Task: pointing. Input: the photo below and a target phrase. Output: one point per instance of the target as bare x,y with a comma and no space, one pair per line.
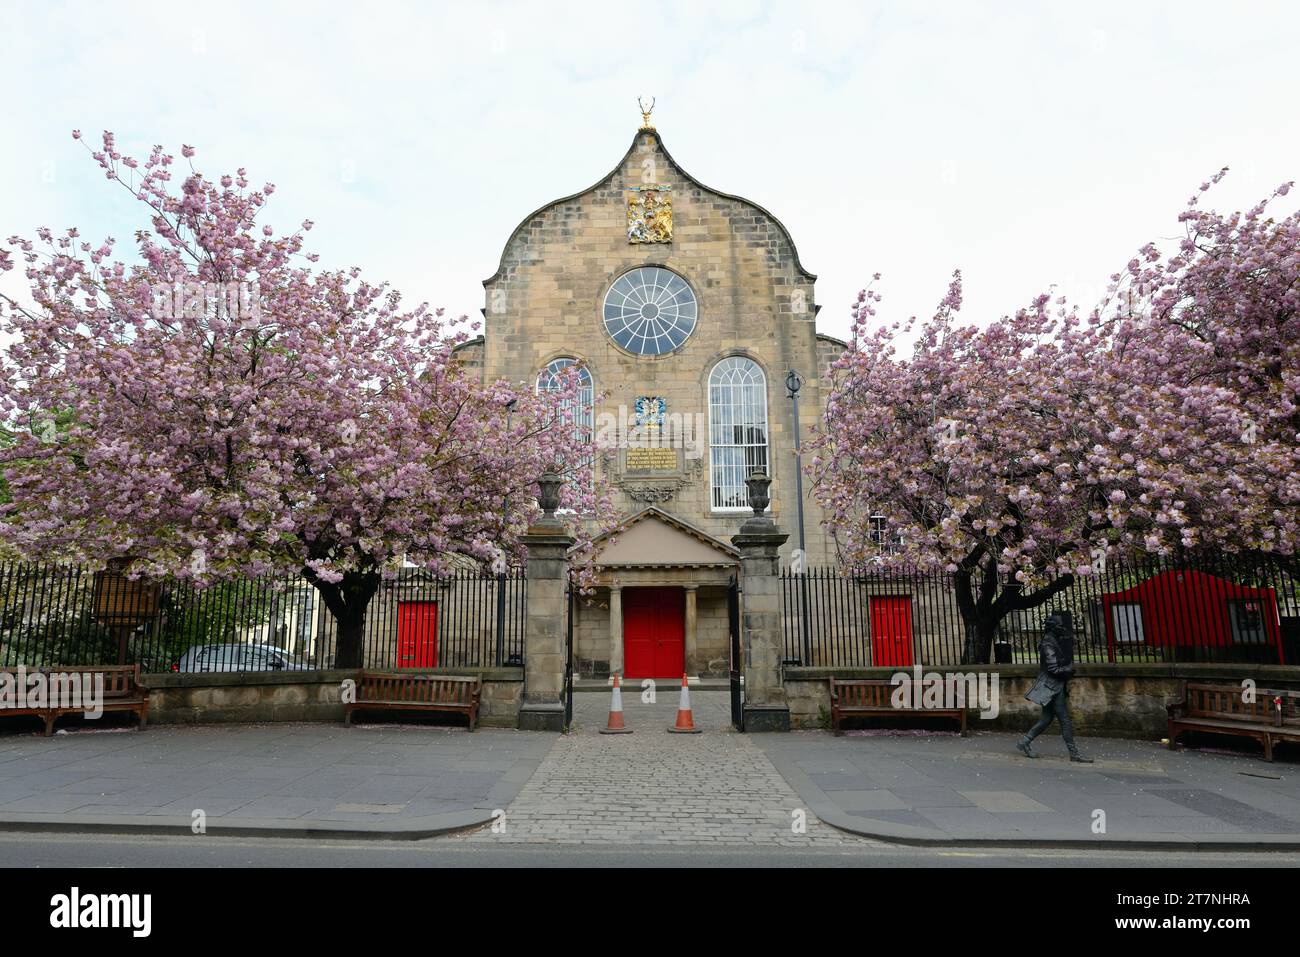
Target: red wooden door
654,632
417,634
891,631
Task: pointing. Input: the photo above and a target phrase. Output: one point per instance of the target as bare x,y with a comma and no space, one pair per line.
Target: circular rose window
650,311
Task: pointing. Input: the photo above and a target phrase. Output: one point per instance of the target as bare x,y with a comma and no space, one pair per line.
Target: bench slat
865,697
1223,709
122,691
394,690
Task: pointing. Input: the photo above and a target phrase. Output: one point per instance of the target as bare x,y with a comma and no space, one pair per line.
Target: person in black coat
1052,689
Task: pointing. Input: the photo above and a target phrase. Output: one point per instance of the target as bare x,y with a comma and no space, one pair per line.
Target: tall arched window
737,430
551,379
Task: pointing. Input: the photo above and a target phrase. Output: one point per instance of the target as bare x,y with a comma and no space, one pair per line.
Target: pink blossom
319,428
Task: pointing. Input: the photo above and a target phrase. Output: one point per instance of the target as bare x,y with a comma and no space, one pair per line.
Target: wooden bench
872,698
1221,709
400,691
122,691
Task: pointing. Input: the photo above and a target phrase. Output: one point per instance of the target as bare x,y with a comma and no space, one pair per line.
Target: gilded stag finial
645,113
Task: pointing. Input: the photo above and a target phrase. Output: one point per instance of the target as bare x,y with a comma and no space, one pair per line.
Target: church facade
684,310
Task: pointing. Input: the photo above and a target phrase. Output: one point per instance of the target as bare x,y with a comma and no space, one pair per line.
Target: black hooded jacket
1055,666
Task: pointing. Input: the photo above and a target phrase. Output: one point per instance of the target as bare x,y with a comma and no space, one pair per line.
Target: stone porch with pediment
655,549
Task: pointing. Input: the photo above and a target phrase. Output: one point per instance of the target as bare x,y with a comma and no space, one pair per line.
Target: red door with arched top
654,632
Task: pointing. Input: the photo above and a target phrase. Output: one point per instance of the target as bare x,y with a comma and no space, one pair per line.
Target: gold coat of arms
650,215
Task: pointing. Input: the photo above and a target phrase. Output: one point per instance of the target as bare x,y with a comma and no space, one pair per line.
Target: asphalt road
75,850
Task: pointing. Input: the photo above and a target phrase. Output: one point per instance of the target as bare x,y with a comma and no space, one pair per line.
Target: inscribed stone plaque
651,459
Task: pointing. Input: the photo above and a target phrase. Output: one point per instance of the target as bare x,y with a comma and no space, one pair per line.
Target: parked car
237,658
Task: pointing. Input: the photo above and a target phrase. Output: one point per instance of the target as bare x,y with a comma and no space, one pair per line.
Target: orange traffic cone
685,722
615,725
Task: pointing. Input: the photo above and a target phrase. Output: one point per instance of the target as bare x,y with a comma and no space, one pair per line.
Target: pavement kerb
412,829
826,810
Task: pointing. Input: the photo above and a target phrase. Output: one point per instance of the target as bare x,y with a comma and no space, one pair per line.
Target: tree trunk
982,641
351,634
347,602
981,615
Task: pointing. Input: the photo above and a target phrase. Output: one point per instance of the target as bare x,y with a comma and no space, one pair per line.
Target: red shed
1189,608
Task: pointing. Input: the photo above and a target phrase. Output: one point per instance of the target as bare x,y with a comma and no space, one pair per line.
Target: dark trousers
1059,709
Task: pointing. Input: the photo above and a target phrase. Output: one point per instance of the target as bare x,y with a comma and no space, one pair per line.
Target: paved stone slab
970,818
836,781
1003,801
261,777
1227,809
979,789
928,797
878,799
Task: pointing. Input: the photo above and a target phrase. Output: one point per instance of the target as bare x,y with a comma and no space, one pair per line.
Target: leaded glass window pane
551,379
737,429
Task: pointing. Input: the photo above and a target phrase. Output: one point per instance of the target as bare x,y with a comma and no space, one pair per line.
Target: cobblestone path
652,787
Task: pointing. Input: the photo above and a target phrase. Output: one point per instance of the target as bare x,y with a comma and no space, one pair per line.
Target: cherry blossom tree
1019,456
1212,328
218,407
983,454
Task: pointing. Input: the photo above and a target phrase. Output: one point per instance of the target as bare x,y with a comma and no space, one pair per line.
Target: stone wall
214,698
1105,700
591,636
712,635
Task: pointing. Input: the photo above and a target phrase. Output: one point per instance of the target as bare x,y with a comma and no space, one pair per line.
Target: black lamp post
793,383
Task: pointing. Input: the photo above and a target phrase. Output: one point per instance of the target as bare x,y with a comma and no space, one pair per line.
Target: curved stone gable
750,217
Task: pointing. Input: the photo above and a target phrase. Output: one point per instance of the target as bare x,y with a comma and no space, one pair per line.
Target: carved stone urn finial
549,498
758,484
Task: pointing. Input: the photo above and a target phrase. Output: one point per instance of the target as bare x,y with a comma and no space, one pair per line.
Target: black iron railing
59,614
1216,609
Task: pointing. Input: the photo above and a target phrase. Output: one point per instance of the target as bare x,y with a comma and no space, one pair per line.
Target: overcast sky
1028,144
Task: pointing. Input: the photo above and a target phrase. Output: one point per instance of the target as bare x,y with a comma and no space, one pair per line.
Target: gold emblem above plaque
651,459
650,214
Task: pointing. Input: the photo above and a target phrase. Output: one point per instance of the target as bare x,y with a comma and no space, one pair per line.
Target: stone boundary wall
219,697
1105,700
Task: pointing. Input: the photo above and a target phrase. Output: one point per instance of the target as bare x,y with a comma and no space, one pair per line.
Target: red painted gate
891,631
654,632
417,634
